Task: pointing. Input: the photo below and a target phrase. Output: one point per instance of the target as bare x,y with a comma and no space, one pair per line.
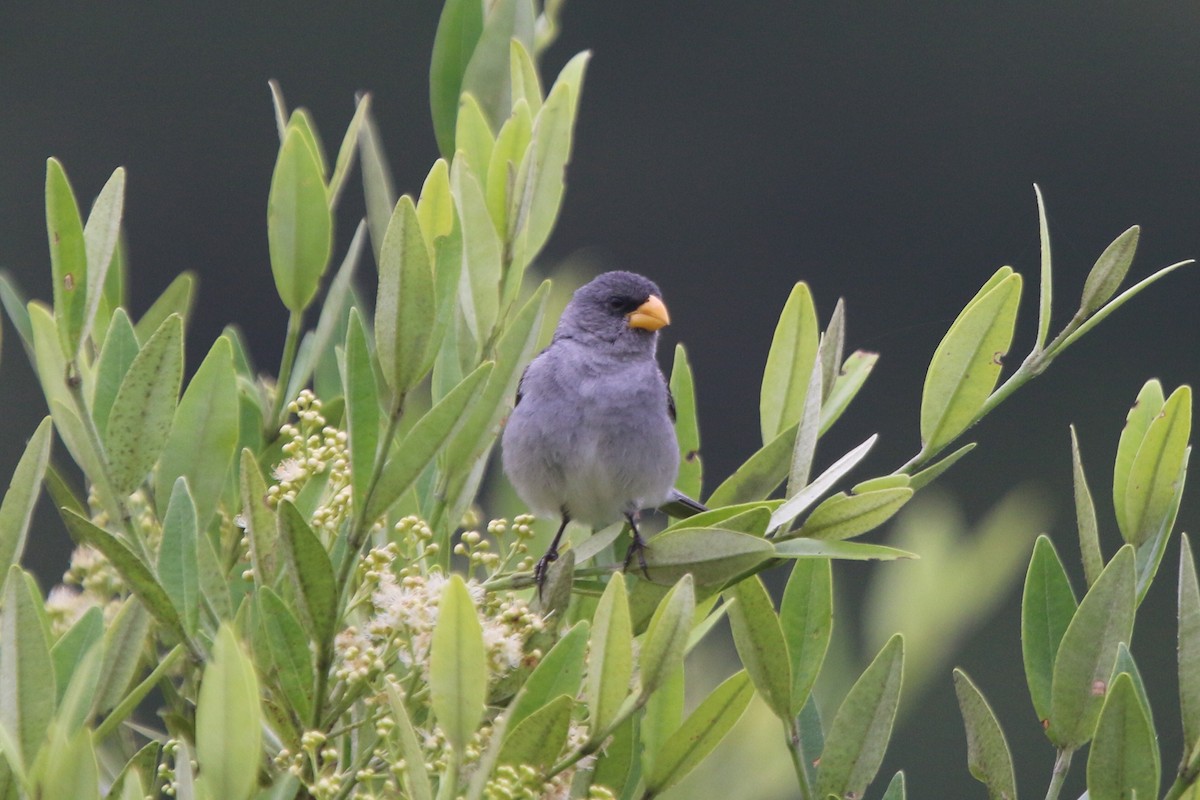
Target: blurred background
883,152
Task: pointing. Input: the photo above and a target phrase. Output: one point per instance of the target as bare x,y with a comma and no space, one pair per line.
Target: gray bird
592,435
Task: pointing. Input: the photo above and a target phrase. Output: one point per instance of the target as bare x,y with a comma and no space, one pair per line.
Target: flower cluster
478,549
313,448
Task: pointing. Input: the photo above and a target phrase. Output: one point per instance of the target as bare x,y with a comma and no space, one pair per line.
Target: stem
1189,770
291,344
796,751
1061,764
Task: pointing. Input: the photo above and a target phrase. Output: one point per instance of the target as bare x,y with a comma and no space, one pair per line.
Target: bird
591,437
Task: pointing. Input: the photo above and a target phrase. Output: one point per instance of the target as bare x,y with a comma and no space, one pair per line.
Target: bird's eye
617,303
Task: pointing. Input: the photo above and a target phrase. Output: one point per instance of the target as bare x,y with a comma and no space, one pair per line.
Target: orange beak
650,315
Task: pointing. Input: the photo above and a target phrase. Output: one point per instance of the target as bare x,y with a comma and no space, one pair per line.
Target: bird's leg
543,564
638,545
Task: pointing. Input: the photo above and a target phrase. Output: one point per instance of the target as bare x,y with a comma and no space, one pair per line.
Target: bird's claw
542,567
638,545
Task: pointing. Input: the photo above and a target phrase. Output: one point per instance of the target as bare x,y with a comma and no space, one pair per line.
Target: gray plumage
592,436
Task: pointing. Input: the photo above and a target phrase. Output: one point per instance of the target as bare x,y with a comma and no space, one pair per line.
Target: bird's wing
521,386
670,404
680,506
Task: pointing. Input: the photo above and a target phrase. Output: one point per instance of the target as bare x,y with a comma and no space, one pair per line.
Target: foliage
298,573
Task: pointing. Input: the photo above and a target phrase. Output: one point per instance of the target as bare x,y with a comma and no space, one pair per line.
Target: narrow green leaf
711,555
1150,491
299,222
1119,301
661,717
760,475
204,433
68,257
1109,272
1083,665
177,555
259,520
72,645
52,374
404,306
843,516
130,783
141,415
855,371
1189,646
1123,758
743,518
479,293
700,733
378,194
1085,517
290,653
116,356
523,77
1126,664
70,768
687,427
1047,606
860,731
967,363
362,408
229,721
610,663
988,756
423,442
559,672
133,570
22,495
15,306
279,104
473,137
1149,556
416,777
758,635
666,638
75,705
458,674
124,642
487,73
1046,292
811,738
27,688
435,207
833,349
538,739
447,272
458,32
789,364
314,575
112,292
808,430
800,501
806,619
896,788
301,119
176,299
615,762
349,148
100,237
1146,408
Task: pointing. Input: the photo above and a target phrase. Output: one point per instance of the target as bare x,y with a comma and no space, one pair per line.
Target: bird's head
623,308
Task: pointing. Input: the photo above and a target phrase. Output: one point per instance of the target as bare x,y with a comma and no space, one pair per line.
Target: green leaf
141,415
855,371
1046,293
804,498
743,518
860,731
313,571
1189,646
27,687
458,673
378,194
15,306
687,427
1109,272
811,738
290,654
700,733
435,207
204,433
1085,517
988,756
423,442
1150,490
75,705
229,721
807,431
473,137
758,635
100,237
299,222
610,663
124,640
1123,759
487,73
176,299
760,475
116,356
345,156
662,716
806,619
68,257
112,293
479,294
1145,409
177,555
416,777
523,77
1083,666
301,119
967,363
404,307
789,364
134,697
501,170
559,672
1047,606
72,645
259,519
458,32
362,408
832,349
22,495
711,555
843,516
69,766
133,570
615,762
538,739
895,789
666,638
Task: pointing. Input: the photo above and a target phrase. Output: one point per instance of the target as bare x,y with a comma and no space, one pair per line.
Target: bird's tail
680,506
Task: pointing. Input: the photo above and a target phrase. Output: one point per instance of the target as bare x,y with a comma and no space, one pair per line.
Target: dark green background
883,152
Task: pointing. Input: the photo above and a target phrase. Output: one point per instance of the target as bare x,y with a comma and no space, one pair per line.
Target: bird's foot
638,546
542,567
